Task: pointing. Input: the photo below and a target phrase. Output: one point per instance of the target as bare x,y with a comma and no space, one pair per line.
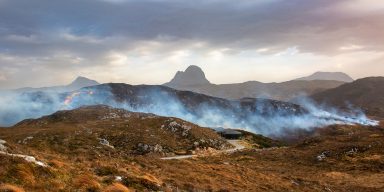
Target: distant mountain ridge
334,76
78,83
193,79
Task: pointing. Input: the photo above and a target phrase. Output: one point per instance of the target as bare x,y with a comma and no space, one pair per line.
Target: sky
51,42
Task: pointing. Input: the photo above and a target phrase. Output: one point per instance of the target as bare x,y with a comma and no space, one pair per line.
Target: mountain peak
193,69
320,75
83,82
193,75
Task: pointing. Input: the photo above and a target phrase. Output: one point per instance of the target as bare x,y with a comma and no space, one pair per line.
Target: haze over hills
194,107
193,79
333,76
366,93
262,116
78,83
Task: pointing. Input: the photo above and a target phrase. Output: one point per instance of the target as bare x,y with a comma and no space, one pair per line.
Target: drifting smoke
15,107
212,112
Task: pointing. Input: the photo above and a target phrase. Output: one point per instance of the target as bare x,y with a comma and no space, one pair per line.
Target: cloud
21,38
316,26
85,34
351,47
2,77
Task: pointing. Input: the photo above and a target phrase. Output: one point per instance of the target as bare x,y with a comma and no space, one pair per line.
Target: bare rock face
3,148
192,76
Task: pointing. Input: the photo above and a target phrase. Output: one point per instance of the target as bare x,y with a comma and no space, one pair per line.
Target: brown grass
10,188
25,173
87,182
56,163
117,187
79,163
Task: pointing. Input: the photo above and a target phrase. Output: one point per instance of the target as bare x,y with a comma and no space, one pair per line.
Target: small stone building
231,134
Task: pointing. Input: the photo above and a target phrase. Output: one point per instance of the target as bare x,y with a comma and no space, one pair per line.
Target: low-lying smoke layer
261,116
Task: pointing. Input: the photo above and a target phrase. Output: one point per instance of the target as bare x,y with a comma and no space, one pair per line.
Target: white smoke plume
16,107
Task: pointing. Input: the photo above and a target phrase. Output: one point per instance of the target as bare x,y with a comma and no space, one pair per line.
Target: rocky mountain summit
192,76
81,82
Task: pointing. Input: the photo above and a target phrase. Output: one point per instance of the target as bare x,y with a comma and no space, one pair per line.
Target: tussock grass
10,188
87,182
116,187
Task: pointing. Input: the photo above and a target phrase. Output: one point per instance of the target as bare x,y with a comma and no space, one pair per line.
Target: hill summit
81,82
78,83
133,133
192,76
334,76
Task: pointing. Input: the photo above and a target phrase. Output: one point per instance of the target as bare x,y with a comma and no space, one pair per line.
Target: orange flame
68,100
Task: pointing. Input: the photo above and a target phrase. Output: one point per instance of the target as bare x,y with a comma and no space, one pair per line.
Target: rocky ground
102,128
104,149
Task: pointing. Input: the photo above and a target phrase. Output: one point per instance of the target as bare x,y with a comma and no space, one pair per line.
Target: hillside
367,94
69,140
262,116
194,107
279,91
143,95
193,79
118,129
333,76
89,149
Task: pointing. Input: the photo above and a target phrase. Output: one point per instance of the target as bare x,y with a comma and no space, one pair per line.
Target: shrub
24,173
56,163
141,183
87,182
117,187
106,170
10,188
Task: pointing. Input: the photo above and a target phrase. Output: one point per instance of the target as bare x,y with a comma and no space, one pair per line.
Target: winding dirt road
235,143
